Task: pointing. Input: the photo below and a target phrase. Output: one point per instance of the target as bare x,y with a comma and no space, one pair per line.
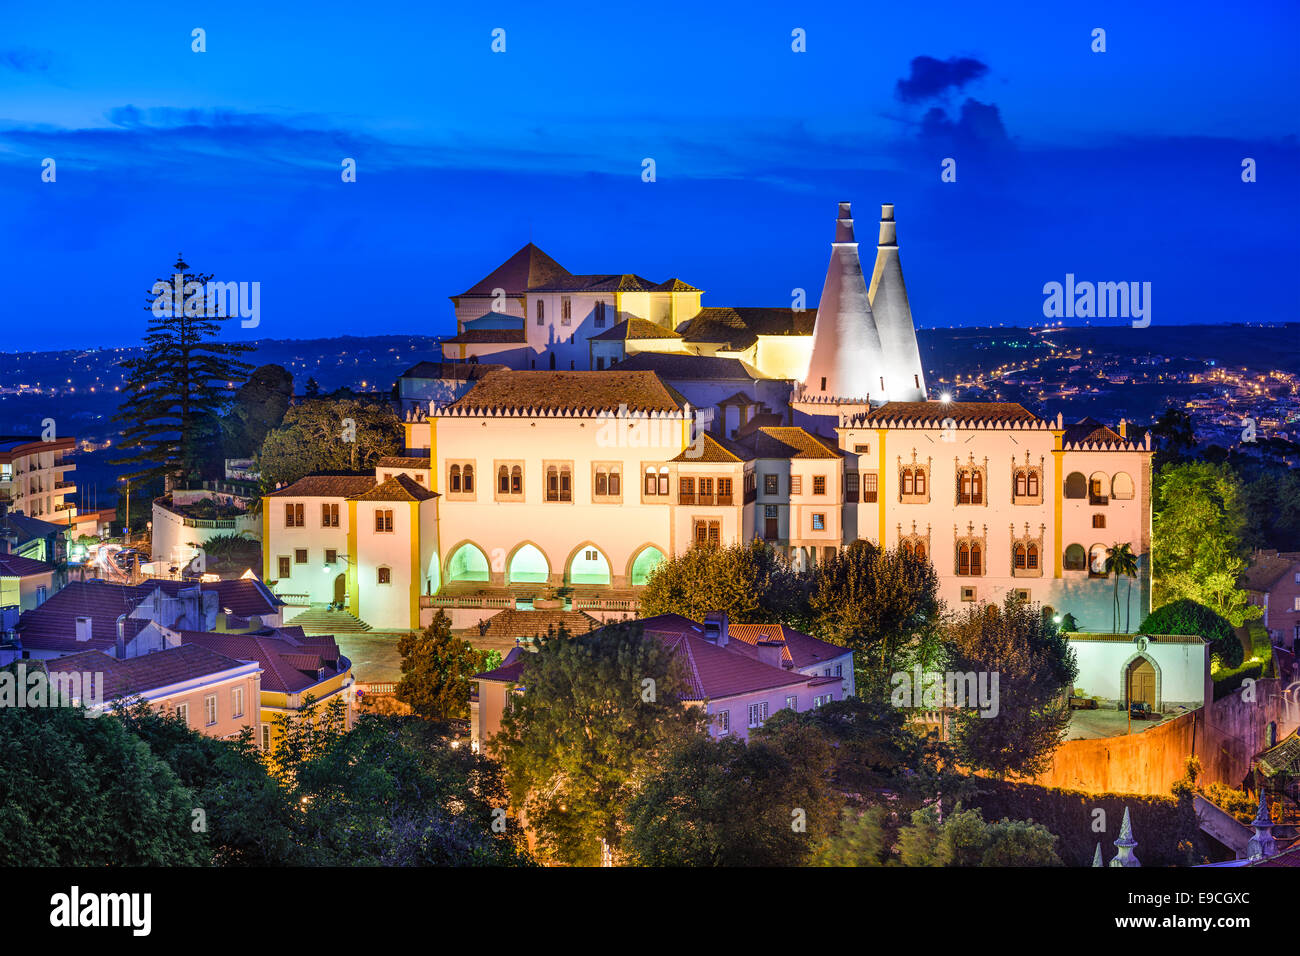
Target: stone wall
1225,736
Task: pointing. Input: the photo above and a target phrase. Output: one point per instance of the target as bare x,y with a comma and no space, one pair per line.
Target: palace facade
553,470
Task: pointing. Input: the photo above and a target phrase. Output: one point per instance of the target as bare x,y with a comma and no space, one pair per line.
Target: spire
1262,844
1096,857
905,378
846,360
1125,843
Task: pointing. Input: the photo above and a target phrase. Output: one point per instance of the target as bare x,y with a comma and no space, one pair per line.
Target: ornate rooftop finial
1262,844
181,265
1125,843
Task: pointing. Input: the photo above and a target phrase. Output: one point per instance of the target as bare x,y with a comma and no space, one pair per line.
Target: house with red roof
214,694
25,583
739,678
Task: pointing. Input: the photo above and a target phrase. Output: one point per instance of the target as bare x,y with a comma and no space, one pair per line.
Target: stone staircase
319,619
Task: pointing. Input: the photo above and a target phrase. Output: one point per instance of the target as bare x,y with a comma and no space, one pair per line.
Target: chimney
120,646
770,652
715,628
844,224
1123,428
83,629
888,228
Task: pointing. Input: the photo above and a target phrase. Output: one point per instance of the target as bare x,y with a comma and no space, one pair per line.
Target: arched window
454,483
383,575
1121,486
602,482
976,558
1097,560
615,482
1031,556
920,481
503,480
1076,486
1022,483
970,486
920,549
651,484
1019,553
552,483
1076,559
907,547
909,482
1099,488
663,480
1031,481
963,558
469,479
516,480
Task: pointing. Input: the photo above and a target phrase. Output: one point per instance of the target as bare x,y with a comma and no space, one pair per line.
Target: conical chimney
846,354
905,379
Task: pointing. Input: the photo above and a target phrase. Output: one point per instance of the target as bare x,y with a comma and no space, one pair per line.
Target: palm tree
1120,560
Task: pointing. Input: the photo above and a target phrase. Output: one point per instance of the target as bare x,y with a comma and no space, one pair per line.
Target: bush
1187,617
1164,827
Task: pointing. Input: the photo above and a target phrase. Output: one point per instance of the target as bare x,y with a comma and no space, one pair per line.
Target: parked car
1140,710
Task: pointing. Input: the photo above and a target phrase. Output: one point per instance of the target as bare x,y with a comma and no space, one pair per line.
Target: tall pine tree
175,391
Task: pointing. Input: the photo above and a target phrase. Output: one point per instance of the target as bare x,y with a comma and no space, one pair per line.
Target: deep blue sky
1116,166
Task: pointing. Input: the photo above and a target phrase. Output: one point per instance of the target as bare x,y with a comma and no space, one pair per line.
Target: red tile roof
149,672
400,487
785,441
635,328
289,663
583,392
326,486
527,269
16,566
53,625
488,337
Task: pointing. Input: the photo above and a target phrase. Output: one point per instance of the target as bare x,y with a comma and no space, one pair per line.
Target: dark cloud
22,60
980,124
931,77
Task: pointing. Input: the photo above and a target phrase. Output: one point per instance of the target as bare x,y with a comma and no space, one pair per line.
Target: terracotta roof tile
676,365
139,675
635,329
713,450
403,463
16,566
785,441
488,336
400,487
961,412
326,486
279,652
584,392
513,623
527,269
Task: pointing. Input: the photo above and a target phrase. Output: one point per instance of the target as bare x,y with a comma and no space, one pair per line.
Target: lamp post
127,523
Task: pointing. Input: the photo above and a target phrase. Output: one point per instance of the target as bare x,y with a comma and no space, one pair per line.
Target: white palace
581,428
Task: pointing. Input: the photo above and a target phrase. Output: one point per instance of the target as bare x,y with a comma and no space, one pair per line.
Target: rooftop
526,392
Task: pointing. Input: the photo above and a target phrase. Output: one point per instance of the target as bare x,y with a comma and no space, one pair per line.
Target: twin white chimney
715,628
83,628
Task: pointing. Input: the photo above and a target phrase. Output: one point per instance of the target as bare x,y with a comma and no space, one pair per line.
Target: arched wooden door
340,588
1142,683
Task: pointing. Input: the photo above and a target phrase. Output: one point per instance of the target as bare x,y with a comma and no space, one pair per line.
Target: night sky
1115,166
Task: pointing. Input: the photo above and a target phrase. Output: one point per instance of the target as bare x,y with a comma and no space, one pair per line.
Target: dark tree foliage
728,803
324,435
176,390
436,670
81,791
875,601
260,404
750,582
1172,436
1035,668
1187,617
596,713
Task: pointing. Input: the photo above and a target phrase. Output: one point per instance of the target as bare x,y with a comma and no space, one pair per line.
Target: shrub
1187,617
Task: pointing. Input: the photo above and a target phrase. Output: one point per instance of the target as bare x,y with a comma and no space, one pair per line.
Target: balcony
690,498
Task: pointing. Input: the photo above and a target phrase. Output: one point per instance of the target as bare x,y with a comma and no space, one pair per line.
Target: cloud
25,60
980,124
931,78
